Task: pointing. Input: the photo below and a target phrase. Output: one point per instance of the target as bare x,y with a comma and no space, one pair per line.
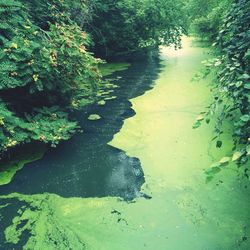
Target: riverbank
184,211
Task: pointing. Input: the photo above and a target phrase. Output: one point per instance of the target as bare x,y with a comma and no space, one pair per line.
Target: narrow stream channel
135,178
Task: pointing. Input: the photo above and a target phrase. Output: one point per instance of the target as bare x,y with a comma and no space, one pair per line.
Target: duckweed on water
94,117
101,103
40,218
8,168
57,223
110,68
184,212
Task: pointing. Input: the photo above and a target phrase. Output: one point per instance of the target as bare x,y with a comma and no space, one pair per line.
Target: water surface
72,198
86,166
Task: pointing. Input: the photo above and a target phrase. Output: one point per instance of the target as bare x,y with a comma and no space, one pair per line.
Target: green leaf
225,160
247,86
245,118
244,77
101,103
237,155
197,125
218,63
213,171
200,118
248,150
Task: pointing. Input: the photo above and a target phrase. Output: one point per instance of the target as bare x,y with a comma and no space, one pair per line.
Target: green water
9,167
184,213
109,68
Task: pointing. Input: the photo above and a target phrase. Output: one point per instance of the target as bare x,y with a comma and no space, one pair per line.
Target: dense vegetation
45,71
205,18
46,68
227,25
120,27
49,68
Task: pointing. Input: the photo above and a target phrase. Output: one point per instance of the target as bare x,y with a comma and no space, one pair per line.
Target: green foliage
41,59
58,10
46,70
44,73
48,125
232,70
123,26
206,17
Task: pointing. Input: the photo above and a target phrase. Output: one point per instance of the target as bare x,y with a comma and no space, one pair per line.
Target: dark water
185,212
86,166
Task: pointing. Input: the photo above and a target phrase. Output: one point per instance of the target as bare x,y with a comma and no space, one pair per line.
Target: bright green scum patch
40,219
57,223
184,212
109,68
8,168
18,160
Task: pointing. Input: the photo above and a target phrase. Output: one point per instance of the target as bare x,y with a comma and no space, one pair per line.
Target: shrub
43,74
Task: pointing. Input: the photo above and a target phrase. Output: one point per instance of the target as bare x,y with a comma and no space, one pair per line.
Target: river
134,179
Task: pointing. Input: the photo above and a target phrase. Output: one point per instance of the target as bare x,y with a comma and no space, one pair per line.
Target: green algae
101,102
9,172
110,98
39,217
184,213
94,117
174,157
54,222
9,167
109,68
3,206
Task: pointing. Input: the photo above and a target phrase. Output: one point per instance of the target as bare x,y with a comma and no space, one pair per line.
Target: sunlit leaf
225,160
237,155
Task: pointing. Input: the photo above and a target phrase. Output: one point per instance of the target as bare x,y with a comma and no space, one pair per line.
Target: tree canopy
49,64
47,68
124,26
45,72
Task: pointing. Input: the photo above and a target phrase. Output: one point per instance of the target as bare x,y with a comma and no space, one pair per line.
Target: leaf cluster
45,72
121,27
232,86
233,72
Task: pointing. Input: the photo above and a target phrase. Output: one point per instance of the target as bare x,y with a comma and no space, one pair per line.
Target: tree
123,26
206,17
44,73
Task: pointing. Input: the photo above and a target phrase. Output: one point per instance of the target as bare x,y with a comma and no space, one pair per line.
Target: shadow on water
86,166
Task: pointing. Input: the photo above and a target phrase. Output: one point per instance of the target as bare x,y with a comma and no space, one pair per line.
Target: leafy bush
48,125
232,70
43,74
123,26
46,70
54,10
206,17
